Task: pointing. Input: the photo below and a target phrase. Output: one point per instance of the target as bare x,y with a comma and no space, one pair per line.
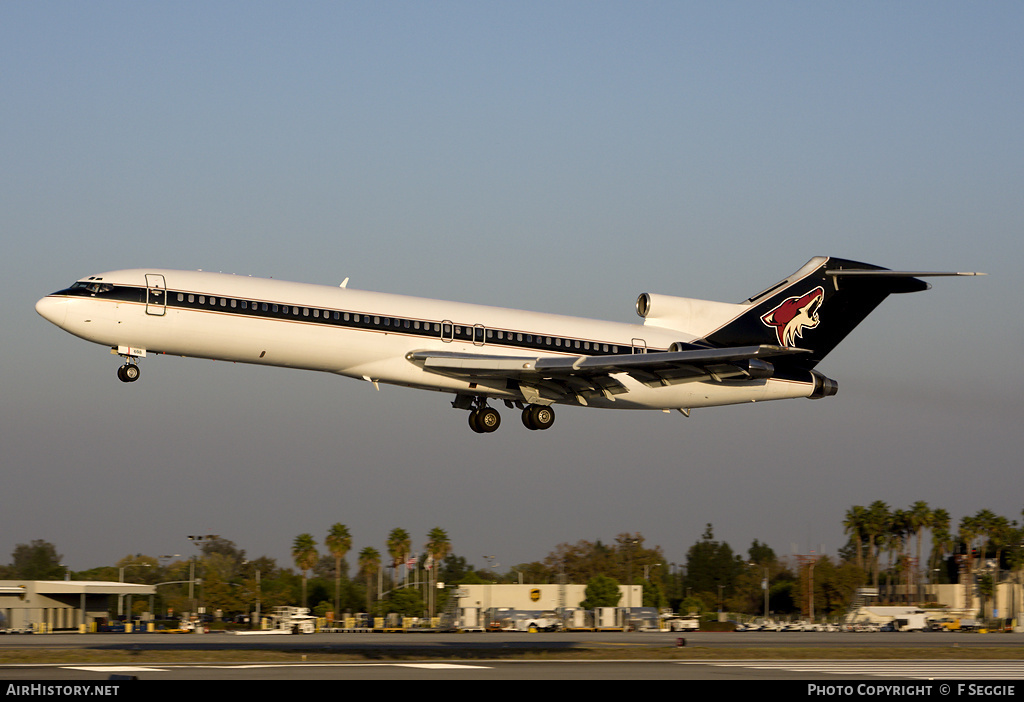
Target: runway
828,671
517,656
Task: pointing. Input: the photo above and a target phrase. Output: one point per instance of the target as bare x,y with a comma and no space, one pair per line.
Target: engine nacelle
698,317
823,387
684,346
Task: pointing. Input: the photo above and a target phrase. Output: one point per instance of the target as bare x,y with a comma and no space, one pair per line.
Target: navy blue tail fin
816,307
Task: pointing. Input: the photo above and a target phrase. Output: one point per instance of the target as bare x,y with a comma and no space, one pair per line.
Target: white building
538,597
476,601
59,604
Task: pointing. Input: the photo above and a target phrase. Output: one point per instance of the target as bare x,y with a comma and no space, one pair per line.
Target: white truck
691,622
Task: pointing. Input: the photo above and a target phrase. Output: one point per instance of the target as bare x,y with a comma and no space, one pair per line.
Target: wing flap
555,378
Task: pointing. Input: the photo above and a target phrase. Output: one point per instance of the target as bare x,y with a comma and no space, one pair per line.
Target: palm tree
899,530
438,547
966,535
875,527
369,564
1001,533
338,542
399,543
305,555
854,526
942,540
987,523
920,519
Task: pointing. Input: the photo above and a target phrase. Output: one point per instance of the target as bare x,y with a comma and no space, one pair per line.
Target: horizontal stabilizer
837,273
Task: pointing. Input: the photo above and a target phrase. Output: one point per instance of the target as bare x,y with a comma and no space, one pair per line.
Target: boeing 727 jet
686,353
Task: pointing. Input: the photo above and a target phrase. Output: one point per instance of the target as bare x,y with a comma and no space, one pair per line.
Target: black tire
528,418
488,419
131,372
538,417
543,417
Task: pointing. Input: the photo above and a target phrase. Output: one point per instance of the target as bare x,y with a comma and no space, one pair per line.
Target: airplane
686,353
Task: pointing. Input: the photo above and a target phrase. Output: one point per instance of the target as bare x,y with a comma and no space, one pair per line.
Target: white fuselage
364,335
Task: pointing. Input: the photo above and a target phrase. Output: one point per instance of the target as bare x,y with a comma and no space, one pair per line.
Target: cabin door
156,294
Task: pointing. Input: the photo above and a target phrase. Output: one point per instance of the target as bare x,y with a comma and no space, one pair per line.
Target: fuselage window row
447,331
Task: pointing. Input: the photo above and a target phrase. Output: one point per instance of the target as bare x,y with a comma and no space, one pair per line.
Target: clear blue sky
557,156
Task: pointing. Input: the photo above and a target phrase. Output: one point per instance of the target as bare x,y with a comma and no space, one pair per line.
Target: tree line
886,549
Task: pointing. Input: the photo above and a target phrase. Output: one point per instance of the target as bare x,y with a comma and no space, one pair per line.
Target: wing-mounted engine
697,317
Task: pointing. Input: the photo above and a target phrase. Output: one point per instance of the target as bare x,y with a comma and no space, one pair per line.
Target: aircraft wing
546,379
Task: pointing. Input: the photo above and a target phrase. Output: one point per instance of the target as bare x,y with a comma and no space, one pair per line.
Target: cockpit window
92,286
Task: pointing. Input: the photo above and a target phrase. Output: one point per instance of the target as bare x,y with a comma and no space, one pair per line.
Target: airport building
483,606
538,597
49,605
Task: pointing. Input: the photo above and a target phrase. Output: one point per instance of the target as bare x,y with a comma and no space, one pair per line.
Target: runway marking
922,669
114,669
136,669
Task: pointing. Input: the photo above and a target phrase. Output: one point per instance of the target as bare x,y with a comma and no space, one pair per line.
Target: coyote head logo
793,315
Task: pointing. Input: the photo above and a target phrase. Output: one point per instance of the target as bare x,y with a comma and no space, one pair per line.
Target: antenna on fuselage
344,283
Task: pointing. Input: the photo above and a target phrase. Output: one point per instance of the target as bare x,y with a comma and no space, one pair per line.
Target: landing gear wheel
128,373
488,419
538,417
484,420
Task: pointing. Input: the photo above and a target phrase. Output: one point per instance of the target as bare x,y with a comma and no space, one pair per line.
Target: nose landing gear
128,373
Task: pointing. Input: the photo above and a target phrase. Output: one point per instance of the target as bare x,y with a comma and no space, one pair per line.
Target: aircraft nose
53,309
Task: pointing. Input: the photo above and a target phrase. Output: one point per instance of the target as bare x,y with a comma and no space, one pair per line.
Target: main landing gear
538,417
484,419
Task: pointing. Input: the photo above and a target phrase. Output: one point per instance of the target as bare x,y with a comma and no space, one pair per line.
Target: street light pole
196,541
120,579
